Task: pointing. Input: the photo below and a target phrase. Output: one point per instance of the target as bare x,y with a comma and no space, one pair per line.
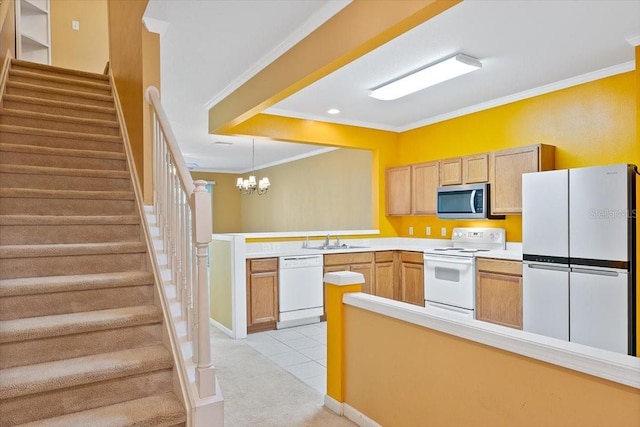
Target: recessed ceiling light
439,72
333,111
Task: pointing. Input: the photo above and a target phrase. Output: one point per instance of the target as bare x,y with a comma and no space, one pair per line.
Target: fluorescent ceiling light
333,111
429,76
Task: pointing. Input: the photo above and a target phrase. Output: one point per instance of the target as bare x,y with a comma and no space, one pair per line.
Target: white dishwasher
300,284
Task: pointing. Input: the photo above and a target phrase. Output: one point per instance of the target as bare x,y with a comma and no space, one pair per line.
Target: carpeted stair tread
77,282
48,376
98,84
66,194
70,249
68,220
52,133
61,70
58,104
75,323
46,170
159,411
60,118
57,91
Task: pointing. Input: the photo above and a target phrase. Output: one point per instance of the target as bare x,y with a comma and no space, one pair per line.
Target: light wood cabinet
464,170
425,179
499,292
359,262
262,294
451,171
411,283
398,190
475,169
507,169
385,274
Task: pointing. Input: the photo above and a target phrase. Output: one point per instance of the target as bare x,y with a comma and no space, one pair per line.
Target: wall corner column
337,284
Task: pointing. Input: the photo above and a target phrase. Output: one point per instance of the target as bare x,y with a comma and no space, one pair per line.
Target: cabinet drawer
263,264
385,256
413,257
500,266
352,258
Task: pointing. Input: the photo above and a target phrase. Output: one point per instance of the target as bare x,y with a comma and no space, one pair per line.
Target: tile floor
301,350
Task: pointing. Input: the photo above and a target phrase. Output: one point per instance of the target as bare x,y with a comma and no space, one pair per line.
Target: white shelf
33,31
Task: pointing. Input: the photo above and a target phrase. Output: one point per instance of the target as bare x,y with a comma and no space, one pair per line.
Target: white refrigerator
578,241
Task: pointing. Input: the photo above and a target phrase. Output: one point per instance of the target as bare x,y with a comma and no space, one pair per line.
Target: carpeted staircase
81,333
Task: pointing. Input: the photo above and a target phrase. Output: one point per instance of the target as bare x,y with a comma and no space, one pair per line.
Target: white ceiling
209,48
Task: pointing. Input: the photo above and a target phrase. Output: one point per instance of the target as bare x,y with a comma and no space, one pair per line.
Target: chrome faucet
327,240
338,241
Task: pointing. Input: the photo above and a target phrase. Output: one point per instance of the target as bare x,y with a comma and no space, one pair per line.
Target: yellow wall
150,77
400,374
330,191
382,144
7,29
126,61
589,124
86,49
221,285
226,201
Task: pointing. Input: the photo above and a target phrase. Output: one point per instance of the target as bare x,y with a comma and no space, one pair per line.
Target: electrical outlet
75,25
410,231
427,231
266,247
276,246
443,231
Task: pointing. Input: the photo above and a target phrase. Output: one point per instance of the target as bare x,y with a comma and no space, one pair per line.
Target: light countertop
284,249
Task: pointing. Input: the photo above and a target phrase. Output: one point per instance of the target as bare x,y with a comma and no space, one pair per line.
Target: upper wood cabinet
507,169
451,171
464,170
398,190
475,169
425,187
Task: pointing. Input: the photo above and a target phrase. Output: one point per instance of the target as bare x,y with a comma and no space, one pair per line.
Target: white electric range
450,271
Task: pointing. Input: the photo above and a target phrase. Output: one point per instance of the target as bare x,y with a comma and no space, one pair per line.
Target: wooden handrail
183,210
152,96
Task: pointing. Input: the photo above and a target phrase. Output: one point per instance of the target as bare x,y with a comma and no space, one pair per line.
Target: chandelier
249,186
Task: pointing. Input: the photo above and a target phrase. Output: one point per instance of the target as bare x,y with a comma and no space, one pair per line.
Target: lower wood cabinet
411,278
385,274
359,262
262,294
499,292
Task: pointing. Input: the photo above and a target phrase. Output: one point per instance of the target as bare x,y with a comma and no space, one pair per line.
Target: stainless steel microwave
463,201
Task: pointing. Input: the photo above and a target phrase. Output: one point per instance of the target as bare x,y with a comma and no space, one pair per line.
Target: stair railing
183,211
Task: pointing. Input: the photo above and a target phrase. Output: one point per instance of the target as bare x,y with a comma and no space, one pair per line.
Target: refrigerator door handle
472,201
548,267
597,272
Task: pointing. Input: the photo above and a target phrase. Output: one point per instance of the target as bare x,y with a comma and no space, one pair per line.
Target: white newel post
205,372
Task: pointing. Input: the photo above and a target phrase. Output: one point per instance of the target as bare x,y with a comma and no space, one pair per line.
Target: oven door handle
451,260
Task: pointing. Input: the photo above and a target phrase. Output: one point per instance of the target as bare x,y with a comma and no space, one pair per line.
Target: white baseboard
358,417
220,326
333,405
349,412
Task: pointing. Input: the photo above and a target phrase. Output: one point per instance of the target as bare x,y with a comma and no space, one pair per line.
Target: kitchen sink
335,247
